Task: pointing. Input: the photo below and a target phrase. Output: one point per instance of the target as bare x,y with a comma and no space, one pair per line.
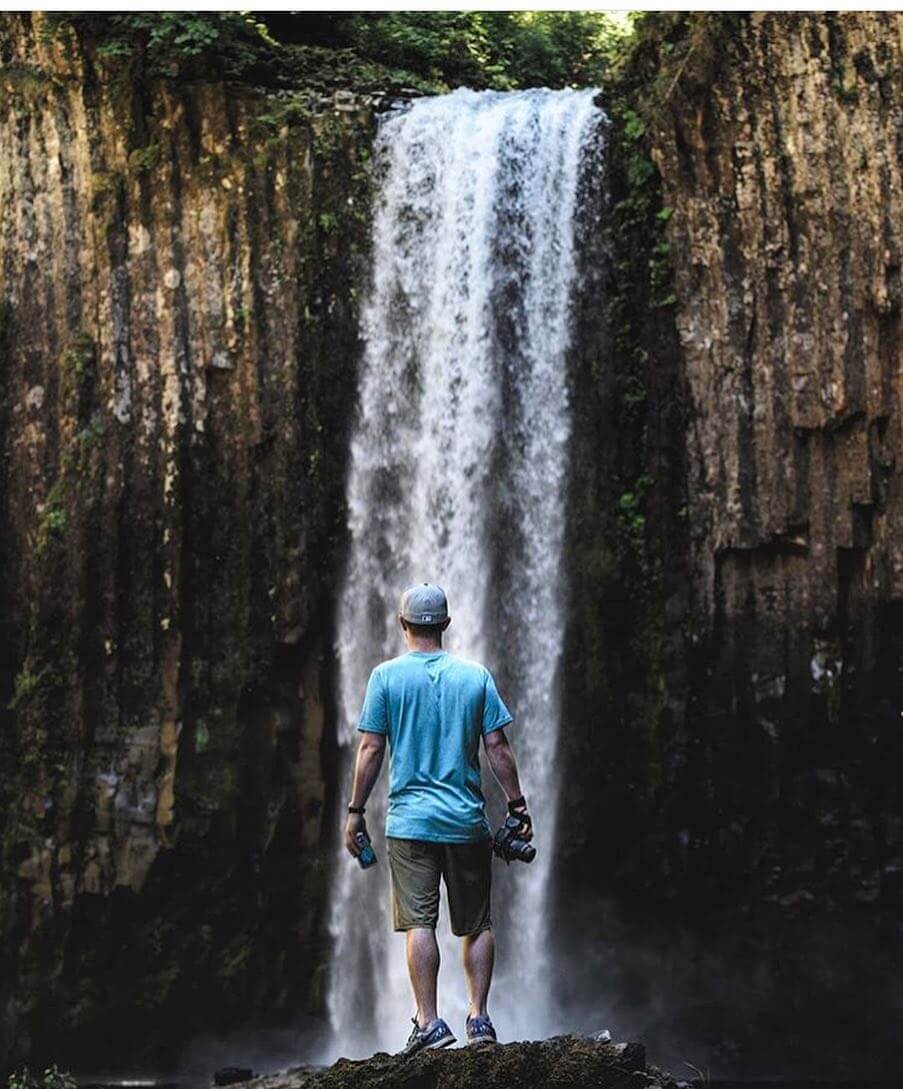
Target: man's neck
425,645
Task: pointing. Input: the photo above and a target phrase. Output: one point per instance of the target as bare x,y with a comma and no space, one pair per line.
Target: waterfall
458,476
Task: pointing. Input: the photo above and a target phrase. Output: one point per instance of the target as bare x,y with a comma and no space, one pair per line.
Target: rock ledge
561,1062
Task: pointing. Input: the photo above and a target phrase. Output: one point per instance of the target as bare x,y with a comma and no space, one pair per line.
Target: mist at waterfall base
808,1001
459,464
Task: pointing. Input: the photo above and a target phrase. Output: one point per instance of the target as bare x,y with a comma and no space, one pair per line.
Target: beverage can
367,857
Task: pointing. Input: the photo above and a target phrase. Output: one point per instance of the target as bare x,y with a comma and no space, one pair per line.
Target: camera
509,846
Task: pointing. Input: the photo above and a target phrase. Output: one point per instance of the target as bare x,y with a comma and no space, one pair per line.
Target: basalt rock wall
779,151
734,666
177,271
732,819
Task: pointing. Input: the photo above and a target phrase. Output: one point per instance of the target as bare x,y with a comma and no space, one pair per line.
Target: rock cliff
783,171
178,345
734,666
753,491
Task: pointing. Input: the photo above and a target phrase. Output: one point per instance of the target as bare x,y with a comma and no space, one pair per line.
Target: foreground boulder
562,1062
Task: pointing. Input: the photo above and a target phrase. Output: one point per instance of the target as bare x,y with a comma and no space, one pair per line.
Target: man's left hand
353,825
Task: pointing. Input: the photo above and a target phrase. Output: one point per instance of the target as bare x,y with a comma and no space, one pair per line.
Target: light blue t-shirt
435,708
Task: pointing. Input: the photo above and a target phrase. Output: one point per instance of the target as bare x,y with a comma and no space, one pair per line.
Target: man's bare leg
479,956
423,968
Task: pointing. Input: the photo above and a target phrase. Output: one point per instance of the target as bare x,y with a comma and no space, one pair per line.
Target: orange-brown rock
177,263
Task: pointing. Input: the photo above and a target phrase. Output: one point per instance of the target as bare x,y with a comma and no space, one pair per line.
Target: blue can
367,857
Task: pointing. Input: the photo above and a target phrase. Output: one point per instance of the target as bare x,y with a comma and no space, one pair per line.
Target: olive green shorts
416,866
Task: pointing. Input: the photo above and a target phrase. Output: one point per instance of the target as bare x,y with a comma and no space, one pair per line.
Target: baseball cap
424,604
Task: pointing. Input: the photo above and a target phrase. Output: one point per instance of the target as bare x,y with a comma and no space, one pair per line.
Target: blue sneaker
436,1034
480,1031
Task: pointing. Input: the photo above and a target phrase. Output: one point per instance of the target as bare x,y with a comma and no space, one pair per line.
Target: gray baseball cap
424,604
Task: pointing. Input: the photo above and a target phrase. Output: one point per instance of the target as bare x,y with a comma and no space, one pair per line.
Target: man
433,708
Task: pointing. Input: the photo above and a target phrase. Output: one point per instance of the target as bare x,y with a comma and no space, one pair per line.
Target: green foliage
92,432
51,1078
283,113
632,524
169,41
501,50
54,523
28,684
424,51
634,125
671,51
77,361
37,694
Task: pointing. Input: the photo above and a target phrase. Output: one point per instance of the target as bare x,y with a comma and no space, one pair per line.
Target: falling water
458,474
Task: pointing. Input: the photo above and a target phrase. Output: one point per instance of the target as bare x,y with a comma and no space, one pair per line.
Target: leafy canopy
428,50
504,49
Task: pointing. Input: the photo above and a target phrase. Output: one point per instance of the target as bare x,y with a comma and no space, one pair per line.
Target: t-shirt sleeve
495,713
374,716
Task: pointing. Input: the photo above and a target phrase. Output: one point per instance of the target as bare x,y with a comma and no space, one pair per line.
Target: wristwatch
356,809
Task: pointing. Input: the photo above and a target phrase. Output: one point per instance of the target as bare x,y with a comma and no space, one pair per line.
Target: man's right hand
525,832
353,825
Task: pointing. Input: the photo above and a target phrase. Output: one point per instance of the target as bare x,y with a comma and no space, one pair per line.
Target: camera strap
517,807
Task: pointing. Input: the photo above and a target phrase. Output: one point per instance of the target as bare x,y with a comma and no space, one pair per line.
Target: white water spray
458,473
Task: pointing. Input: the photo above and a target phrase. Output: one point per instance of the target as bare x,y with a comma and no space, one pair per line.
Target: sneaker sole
482,1041
446,1041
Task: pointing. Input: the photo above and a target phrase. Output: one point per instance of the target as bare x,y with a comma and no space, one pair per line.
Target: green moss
144,159
92,434
77,363
631,522
105,187
243,316
201,736
30,682
282,114
36,699
53,523
23,85
235,959
329,135
619,633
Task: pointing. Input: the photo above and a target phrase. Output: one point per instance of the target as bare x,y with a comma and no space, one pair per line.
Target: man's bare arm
504,767
370,752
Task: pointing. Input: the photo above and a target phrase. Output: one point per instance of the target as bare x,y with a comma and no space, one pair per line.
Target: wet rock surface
562,1062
